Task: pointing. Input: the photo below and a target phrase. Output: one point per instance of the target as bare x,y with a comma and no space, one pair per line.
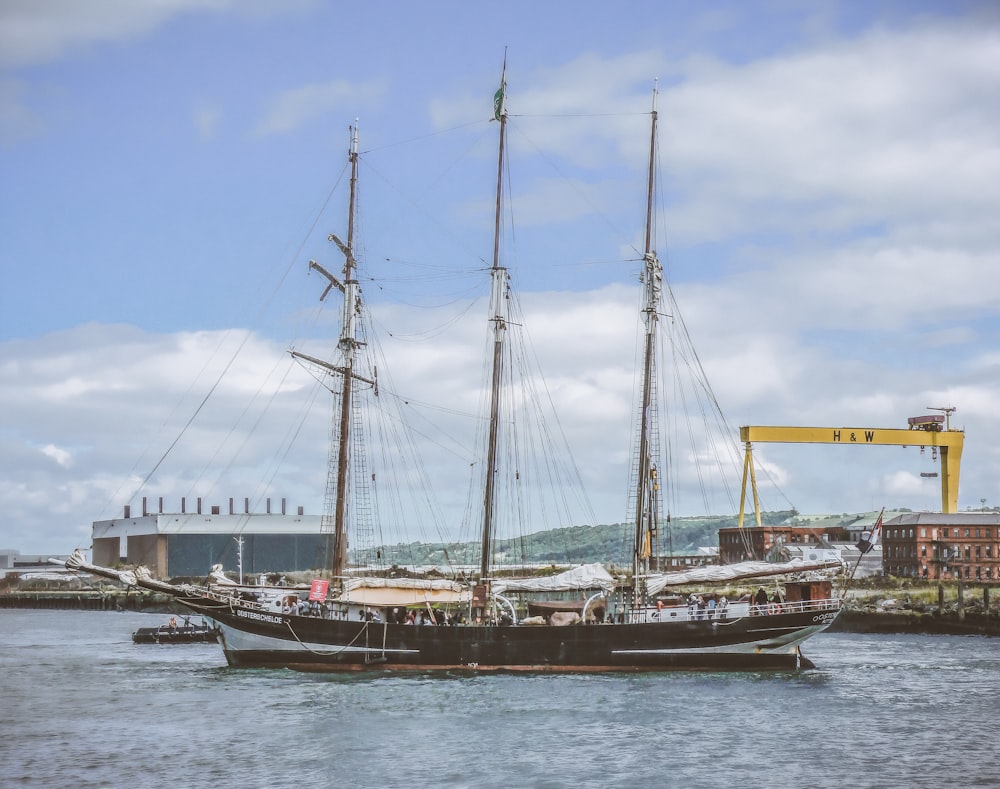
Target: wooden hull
254,638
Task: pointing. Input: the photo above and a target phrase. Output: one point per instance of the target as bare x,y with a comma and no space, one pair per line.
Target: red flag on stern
318,589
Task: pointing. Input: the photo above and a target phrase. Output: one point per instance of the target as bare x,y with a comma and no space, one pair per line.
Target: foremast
347,345
647,482
338,480
498,328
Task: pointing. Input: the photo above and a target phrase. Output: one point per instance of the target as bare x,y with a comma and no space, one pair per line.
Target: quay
89,600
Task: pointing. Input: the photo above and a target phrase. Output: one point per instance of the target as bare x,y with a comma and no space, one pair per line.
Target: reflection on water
84,706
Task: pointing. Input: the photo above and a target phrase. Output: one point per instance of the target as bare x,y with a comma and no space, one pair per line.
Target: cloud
206,120
60,456
840,137
17,120
298,106
120,397
40,31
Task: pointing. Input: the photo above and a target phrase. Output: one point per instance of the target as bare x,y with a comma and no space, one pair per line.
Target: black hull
253,638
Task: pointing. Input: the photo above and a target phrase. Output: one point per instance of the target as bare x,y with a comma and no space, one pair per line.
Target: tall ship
472,623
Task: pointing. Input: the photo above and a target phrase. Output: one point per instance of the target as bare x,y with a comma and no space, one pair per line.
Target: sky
830,181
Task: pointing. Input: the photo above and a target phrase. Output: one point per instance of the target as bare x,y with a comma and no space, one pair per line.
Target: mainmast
498,321
652,279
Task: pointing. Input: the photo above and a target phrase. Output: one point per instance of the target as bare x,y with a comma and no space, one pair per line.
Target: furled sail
732,572
402,591
586,576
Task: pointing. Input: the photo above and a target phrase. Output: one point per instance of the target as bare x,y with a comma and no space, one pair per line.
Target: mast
498,322
338,474
652,279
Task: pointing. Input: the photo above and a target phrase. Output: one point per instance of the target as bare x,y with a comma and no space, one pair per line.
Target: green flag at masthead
498,97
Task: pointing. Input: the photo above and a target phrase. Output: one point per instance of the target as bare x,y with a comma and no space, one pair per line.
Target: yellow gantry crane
933,430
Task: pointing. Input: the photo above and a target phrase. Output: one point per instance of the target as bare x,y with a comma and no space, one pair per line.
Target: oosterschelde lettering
277,620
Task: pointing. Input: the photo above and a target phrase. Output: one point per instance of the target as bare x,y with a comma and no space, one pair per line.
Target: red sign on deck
318,589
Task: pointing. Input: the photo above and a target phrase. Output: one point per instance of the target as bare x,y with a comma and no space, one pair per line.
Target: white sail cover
218,576
403,591
731,572
140,577
586,576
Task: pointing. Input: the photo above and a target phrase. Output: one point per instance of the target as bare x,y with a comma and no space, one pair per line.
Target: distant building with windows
777,542
807,537
943,546
678,562
187,544
14,563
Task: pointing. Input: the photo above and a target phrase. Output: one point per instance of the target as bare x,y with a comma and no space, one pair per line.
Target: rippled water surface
82,706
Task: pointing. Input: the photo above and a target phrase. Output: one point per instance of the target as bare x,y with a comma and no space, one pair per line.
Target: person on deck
761,600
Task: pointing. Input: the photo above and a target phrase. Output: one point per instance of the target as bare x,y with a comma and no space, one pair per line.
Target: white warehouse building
187,544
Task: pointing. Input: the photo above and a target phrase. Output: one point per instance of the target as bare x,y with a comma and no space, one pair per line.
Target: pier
88,600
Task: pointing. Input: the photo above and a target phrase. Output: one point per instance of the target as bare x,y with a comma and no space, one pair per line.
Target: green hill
608,544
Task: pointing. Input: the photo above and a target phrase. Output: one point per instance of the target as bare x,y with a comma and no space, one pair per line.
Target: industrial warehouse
178,544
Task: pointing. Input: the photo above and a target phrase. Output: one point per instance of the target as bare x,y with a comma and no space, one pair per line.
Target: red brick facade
943,546
733,542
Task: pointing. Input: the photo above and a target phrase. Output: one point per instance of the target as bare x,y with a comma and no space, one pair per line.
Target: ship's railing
275,601
678,613
730,611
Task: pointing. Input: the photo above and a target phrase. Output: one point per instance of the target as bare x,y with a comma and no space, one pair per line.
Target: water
82,706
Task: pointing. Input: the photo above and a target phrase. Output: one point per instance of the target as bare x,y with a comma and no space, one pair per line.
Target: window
966,532
923,532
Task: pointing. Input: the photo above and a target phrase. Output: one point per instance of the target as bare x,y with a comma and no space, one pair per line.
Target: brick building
943,546
757,543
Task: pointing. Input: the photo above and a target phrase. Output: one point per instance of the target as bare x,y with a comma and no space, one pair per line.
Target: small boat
177,633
